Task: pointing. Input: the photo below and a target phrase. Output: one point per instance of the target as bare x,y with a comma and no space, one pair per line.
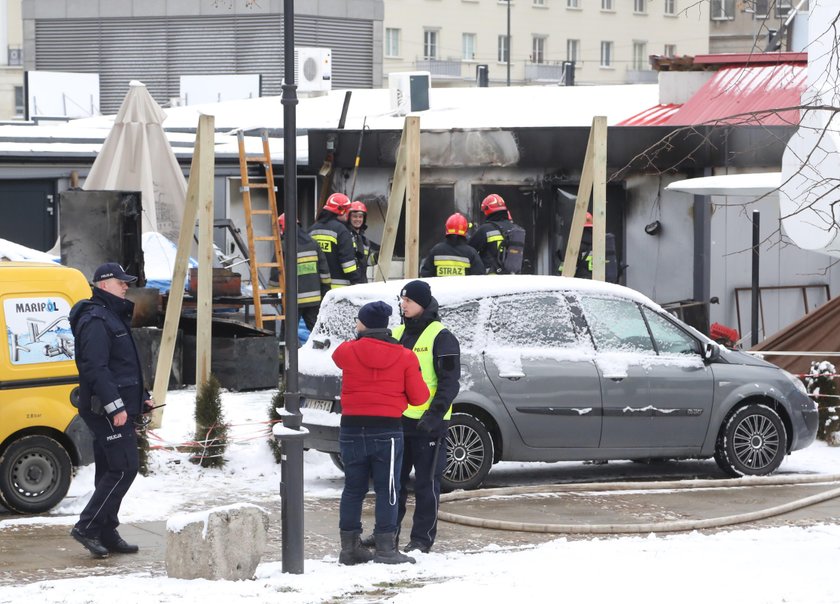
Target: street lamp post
291,465
507,43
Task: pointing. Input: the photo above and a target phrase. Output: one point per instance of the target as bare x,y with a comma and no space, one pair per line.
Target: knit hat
419,291
375,315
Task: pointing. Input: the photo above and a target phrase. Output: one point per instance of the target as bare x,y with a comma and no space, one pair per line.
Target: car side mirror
711,352
320,343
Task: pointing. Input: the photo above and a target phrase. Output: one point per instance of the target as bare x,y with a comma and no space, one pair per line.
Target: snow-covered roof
450,108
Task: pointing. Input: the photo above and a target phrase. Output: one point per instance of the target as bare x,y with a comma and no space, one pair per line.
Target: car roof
453,290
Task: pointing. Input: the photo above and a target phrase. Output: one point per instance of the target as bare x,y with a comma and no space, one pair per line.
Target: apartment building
758,25
11,60
609,41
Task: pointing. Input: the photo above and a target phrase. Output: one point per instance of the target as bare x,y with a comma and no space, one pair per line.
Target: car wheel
753,442
336,459
469,453
35,474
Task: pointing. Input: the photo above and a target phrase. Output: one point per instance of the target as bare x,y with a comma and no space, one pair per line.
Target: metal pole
291,465
508,42
755,293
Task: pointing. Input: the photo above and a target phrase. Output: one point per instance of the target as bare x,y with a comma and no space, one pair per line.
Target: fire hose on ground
647,527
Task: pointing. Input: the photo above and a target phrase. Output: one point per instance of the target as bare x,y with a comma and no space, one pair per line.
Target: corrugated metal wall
157,51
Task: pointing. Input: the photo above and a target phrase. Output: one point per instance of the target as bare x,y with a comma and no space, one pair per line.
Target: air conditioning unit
409,91
313,69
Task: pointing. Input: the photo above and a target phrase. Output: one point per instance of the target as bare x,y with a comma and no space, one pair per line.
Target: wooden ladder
271,212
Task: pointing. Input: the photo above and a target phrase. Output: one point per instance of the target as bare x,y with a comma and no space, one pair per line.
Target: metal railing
440,68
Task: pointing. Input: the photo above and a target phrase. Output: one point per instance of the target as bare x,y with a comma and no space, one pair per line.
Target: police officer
425,426
489,237
111,396
453,257
365,248
336,242
313,274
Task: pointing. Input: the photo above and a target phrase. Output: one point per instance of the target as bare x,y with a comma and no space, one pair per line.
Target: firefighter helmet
358,206
281,221
588,222
457,224
493,203
337,203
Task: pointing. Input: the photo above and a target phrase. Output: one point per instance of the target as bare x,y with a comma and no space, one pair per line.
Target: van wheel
469,453
753,442
35,474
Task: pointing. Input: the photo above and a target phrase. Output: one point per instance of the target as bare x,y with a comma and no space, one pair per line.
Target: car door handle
513,377
616,378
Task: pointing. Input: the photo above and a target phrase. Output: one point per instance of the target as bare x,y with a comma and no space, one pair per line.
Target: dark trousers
370,453
309,315
116,461
426,454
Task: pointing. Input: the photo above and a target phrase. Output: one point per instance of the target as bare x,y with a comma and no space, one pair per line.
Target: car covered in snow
556,369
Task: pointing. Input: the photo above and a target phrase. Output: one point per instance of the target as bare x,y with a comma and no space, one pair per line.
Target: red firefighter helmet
337,203
281,221
493,203
457,224
588,222
358,206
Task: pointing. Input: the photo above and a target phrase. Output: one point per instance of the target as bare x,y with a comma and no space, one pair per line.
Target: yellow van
42,437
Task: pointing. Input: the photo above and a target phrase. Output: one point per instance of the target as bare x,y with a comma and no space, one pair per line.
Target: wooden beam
395,203
176,292
579,217
411,268
204,291
599,199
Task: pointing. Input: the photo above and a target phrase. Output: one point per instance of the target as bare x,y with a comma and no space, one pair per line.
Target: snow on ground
783,564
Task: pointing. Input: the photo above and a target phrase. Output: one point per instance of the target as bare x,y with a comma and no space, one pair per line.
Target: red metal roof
765,94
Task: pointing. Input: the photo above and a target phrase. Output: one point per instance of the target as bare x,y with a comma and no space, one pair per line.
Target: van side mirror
711,352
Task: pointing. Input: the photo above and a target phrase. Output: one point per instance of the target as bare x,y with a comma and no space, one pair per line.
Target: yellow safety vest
423,348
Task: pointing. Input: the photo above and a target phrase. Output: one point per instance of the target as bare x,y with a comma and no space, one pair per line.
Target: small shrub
211,431
143,451
822,385
277,401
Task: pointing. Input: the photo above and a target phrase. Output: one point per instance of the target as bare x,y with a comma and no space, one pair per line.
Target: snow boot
387,552
352,551
368,541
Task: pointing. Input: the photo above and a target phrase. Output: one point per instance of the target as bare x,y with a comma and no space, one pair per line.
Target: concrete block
50,9
224,543
149,8
115,8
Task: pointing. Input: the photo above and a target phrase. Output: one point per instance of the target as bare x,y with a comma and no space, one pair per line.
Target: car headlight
797,382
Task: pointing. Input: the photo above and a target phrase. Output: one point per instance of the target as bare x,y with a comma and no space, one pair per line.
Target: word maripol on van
38,330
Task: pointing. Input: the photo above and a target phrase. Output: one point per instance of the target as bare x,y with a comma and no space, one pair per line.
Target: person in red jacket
380,379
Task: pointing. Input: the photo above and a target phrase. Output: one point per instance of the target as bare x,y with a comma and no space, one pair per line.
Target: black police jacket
110,373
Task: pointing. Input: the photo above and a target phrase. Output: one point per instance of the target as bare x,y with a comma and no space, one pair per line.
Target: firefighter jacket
440,360
313,274
110,374
488,238
380,378
337,245
452,257
365,251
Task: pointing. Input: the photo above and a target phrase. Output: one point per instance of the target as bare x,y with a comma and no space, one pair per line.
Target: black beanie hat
419,291
375,315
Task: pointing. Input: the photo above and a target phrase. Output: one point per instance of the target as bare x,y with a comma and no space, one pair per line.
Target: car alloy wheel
752,443
469,453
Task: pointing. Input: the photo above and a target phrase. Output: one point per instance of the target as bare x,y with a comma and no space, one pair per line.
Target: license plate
318,404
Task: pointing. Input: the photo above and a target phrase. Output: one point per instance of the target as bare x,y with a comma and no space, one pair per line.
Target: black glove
429,423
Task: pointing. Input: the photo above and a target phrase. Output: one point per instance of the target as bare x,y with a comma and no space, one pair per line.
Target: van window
534,320
669,338
461,320
616,325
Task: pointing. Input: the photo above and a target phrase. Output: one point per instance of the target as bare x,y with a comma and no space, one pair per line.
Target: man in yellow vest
425,426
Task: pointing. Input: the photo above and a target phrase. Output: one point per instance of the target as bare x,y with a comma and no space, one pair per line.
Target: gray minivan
560,369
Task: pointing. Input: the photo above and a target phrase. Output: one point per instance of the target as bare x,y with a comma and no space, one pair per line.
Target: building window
722,10
783,7
606,54
671,7
670,50
538,49
760,9
392,42
539,2
503,49
468,47
430,44
572,50
640,60
640,6
608,5
572,3
19,104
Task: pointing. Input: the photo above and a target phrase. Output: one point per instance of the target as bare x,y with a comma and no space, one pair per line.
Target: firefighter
365,248
313,274
336,242
490,240
453,256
